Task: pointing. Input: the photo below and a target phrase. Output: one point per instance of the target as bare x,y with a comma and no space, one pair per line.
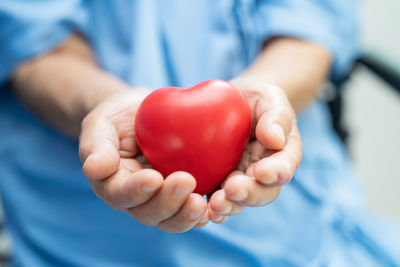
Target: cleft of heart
202,130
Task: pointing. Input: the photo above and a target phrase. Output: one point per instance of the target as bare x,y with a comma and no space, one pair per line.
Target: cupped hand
271,157
121,177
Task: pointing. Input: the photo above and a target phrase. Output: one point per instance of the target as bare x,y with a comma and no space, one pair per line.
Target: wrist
120,98
91,98
253,83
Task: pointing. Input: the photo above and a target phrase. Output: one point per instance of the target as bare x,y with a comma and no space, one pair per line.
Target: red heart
202,130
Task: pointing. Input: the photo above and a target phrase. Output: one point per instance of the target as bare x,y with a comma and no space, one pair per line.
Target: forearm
64,85
297,66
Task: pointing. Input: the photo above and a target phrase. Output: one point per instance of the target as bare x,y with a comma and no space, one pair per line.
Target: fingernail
224,219
219,219
89,158
271,180
228,209
148,188
241,195
278,131
286,178
195,214
204,220
180,192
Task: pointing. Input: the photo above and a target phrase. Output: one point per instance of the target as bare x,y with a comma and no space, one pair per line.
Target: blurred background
372,112
371,115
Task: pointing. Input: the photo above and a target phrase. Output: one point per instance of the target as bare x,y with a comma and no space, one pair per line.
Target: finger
125,189
275,119
245,161
98,147
278,169
234,173
168,200
216,218
128,147
245,190
219,204
187,217
271,111
253,153
203,221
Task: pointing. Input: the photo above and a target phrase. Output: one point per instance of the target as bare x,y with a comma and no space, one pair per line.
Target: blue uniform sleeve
31,28
331,23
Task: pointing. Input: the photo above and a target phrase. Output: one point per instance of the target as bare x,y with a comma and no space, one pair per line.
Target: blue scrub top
52,214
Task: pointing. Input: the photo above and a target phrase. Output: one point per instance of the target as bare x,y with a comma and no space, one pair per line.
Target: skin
67,89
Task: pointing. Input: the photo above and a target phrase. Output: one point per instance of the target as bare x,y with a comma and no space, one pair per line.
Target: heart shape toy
202,130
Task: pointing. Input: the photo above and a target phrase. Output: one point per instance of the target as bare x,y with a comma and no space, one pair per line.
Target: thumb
276,118
98,147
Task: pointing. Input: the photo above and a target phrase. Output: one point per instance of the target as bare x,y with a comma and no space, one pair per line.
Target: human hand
119,175
271,157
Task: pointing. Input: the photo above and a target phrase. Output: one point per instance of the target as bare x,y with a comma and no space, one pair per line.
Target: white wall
373,112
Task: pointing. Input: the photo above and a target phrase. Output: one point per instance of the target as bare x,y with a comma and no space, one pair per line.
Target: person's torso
55,218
